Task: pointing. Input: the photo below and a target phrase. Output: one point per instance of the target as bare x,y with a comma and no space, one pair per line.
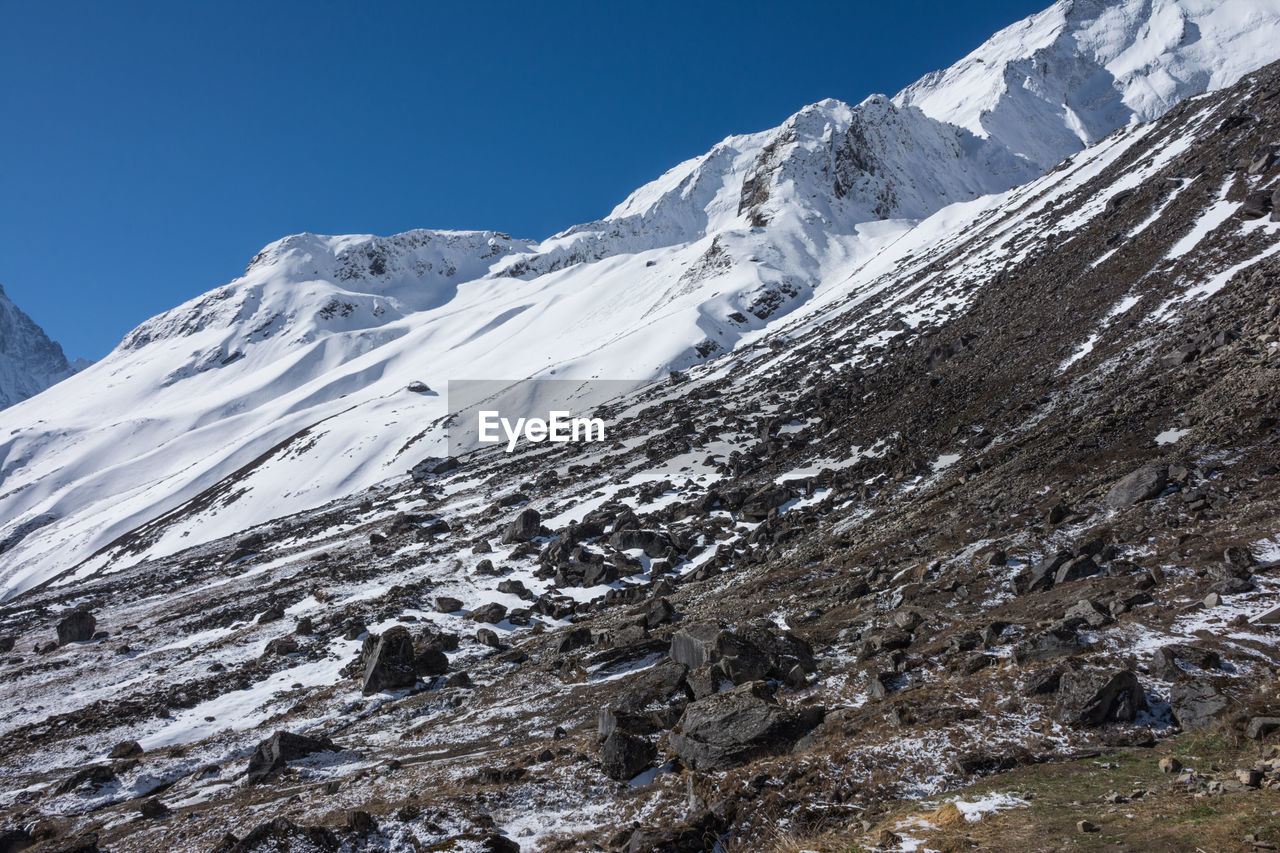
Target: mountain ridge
29,361
704,259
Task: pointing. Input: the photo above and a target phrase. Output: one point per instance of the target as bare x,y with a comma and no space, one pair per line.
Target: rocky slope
29,361
275,378
1002,495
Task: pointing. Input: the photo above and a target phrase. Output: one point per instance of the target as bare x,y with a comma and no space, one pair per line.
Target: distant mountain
29,361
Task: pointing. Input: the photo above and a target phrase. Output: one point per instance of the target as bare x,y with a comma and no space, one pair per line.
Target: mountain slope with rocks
998,496
29,361
274,380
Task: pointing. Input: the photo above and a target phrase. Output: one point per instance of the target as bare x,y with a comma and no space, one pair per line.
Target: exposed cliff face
29,361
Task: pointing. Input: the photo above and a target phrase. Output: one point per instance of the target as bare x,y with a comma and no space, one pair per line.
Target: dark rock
625,755
15,840
757,507
752,653
1142,485
1260,727
488,637
1044,572
278,750
1164,664
1054,643
1075,569
282,646
430,660
433,466
492,613
274,613
660,612
95,775
392,663
524,528
737,725
1087,613
654,543
280,834
576,638
1256,205
445,604
703,682
126,749
498,844
597,574
77,627
361,822
1092,697
153,809
1197,704
516,588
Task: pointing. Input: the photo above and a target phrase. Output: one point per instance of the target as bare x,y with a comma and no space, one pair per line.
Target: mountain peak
29,361
1060,80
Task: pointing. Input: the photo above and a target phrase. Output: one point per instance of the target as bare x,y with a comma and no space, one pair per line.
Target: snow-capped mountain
29,361
290,385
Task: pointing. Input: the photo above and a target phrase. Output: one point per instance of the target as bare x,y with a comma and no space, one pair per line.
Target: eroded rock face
734,726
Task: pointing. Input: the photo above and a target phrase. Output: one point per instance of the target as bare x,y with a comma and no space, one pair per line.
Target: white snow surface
289,385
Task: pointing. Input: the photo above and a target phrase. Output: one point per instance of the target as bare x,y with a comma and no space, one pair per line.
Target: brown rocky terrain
1004,524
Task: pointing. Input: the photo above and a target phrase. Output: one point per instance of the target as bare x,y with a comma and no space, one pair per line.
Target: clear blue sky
150,149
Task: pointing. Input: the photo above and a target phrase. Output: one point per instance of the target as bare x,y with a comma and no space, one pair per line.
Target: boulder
1142,485
126,749
77,626
392,664
660,612
1197,704
624,755
654,543
445,604
1054,643
524,528
1260,727
278,750
1087,612
492,613
1043,573
1075,569
752,653
696,645
1164,663
1256,205
433,466
757,507
430,660
737,725
1094,697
